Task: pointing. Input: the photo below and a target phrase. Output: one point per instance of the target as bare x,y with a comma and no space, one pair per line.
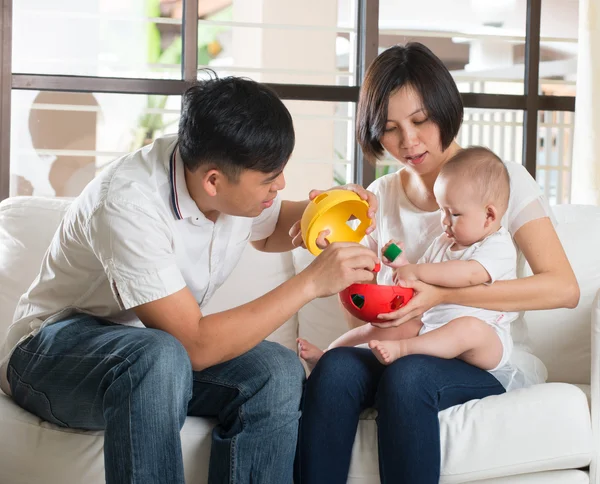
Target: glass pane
481,42
555,151
324,143
61,140
499,130
558,47
282,41
134,38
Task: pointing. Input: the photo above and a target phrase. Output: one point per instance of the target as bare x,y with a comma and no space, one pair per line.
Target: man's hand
369,197
337,267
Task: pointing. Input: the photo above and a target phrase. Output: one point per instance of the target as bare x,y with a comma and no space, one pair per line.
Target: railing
502,132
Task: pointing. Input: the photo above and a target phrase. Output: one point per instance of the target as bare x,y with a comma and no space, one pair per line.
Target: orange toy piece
332,211
367,301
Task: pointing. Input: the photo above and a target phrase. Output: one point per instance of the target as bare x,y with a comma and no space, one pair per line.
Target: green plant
153,121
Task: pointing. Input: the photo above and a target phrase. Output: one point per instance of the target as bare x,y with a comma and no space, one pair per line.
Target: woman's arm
552,285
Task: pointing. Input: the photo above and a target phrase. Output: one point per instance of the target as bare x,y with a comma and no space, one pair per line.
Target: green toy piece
392,252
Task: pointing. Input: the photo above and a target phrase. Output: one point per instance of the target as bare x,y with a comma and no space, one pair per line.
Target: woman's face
410,136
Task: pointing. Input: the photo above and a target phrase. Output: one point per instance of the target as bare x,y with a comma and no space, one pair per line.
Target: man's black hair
234,124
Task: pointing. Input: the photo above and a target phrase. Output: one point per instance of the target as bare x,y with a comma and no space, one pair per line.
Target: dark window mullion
5,94
532,73
119,85
367,37
189,63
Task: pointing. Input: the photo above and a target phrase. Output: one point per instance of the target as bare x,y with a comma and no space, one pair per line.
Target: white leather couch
544,434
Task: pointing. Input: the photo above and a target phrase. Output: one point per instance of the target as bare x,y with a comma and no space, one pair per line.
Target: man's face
253,192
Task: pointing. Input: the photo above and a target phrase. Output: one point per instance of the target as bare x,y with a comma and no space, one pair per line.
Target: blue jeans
407,395
138,385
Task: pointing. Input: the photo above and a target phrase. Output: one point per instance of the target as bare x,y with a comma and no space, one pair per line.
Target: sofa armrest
595,390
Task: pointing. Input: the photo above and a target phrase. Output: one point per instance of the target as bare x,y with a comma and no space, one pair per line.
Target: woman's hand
369,197
426,296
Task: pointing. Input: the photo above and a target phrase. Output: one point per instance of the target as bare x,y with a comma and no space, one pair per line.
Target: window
81,82
480,42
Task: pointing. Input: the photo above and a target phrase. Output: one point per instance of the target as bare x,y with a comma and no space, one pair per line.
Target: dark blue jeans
407,395
138,385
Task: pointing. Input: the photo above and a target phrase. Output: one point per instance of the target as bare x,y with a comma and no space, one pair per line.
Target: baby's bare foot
388,351
309,352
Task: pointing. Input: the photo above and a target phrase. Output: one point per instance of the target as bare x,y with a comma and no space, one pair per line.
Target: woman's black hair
412,65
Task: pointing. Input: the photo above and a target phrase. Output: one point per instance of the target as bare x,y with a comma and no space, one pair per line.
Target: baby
472,191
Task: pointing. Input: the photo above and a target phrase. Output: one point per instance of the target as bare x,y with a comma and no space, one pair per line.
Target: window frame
531,102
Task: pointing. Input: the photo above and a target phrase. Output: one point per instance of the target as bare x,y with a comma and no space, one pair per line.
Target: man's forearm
280,240
228,334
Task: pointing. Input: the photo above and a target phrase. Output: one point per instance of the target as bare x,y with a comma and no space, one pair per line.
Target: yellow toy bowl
333,210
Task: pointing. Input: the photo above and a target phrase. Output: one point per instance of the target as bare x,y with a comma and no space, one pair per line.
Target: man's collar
181,202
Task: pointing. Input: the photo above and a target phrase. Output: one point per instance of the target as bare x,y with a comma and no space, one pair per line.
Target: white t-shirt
134,235
398,219
498,256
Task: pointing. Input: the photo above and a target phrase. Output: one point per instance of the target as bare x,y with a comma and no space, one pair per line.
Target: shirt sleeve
135,247
527,202
264,224
426,257
498,256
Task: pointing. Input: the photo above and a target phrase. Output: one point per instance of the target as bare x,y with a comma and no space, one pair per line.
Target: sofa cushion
549,429
561,337
27,225
541,428
34,451
256,274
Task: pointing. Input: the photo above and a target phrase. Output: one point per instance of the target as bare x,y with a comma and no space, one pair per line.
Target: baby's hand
406,272
399,261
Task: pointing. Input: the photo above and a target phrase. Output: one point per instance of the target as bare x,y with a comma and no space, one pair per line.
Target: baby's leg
367,332
467,338
363,334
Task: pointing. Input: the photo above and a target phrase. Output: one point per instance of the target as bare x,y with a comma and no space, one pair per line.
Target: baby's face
463,216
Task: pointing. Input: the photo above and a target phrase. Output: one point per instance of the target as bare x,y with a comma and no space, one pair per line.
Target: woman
409,105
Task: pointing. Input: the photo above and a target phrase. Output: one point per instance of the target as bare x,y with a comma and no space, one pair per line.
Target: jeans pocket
30,399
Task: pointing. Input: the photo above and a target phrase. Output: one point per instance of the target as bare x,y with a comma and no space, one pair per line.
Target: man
111,333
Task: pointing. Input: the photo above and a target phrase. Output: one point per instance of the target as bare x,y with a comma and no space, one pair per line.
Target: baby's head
472,190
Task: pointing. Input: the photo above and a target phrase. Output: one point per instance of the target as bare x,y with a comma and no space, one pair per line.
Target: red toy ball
367,301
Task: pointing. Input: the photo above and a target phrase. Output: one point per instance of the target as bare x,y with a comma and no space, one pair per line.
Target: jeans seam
448,387
232,454
30,387
133,477
232,460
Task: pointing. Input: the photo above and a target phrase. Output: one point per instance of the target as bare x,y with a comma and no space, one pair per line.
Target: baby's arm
453,273
365,333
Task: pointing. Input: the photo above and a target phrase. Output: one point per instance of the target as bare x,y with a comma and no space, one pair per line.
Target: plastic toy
332,211
367,301
392,252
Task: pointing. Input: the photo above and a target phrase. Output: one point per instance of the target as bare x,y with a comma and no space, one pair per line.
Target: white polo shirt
133,236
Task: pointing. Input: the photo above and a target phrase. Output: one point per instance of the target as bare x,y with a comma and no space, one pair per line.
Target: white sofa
544,434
